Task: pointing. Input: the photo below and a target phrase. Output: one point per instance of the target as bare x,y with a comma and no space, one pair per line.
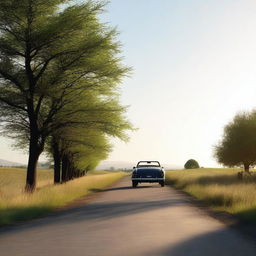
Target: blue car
148,171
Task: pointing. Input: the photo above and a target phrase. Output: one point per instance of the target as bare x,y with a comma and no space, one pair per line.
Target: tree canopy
238,145
59,66
191,164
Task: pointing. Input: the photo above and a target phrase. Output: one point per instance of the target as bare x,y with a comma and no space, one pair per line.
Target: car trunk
149,173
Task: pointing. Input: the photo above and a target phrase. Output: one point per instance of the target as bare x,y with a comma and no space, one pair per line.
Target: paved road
146,221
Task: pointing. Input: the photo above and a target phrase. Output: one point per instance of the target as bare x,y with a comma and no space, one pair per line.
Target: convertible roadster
148,171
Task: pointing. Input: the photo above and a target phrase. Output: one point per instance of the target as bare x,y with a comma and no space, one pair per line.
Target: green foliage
83,135
191,164
69,52
238,145
59,72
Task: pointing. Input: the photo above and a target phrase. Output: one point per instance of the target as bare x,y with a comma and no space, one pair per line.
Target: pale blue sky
194,67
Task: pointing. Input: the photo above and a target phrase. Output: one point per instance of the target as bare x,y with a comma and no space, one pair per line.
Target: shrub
191,164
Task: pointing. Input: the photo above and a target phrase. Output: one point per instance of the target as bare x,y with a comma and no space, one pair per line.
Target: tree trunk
57,169
35,149
69,170
64,174
57,161
246,167
34,153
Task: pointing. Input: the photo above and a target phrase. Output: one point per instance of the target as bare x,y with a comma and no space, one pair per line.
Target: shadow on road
219,242
127,188
95,190
215,243
97,210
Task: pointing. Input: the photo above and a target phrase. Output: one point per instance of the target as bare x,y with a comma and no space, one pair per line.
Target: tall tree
49,54
238,145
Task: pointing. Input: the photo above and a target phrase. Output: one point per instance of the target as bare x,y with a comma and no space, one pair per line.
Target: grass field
220,189
15,205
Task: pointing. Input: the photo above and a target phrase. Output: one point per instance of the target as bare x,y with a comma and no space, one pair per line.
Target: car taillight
162,174
134,174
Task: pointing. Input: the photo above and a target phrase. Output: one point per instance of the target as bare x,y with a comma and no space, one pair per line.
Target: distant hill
5,163
115,165
107,165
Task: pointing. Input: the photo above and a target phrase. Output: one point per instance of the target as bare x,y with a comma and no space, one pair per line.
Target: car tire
134,184
161,183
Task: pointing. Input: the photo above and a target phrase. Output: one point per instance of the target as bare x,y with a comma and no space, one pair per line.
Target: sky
194,68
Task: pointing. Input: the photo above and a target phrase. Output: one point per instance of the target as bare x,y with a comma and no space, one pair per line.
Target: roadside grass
98,172
15,205
220,189
12,181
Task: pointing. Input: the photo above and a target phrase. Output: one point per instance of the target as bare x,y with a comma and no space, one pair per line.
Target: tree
85,132
238,145
49,54
75,155
191,164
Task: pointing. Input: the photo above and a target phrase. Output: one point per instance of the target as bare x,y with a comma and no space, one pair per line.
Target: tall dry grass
220,189
15,205
12,181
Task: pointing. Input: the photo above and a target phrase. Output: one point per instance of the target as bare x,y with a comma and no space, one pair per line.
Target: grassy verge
15,205
220,189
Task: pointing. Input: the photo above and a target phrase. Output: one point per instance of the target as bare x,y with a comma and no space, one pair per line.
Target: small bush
191,164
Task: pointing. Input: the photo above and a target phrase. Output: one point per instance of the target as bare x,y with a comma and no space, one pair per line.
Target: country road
122,221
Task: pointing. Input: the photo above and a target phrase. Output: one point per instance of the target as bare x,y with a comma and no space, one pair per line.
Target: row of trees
238,145
59,74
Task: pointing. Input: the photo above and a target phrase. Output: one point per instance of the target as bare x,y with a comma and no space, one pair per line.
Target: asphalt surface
145,221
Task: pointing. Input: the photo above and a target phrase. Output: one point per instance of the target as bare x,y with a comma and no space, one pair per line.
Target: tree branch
12,104
12,79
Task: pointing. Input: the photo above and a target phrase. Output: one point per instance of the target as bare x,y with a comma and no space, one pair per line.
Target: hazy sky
194,68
